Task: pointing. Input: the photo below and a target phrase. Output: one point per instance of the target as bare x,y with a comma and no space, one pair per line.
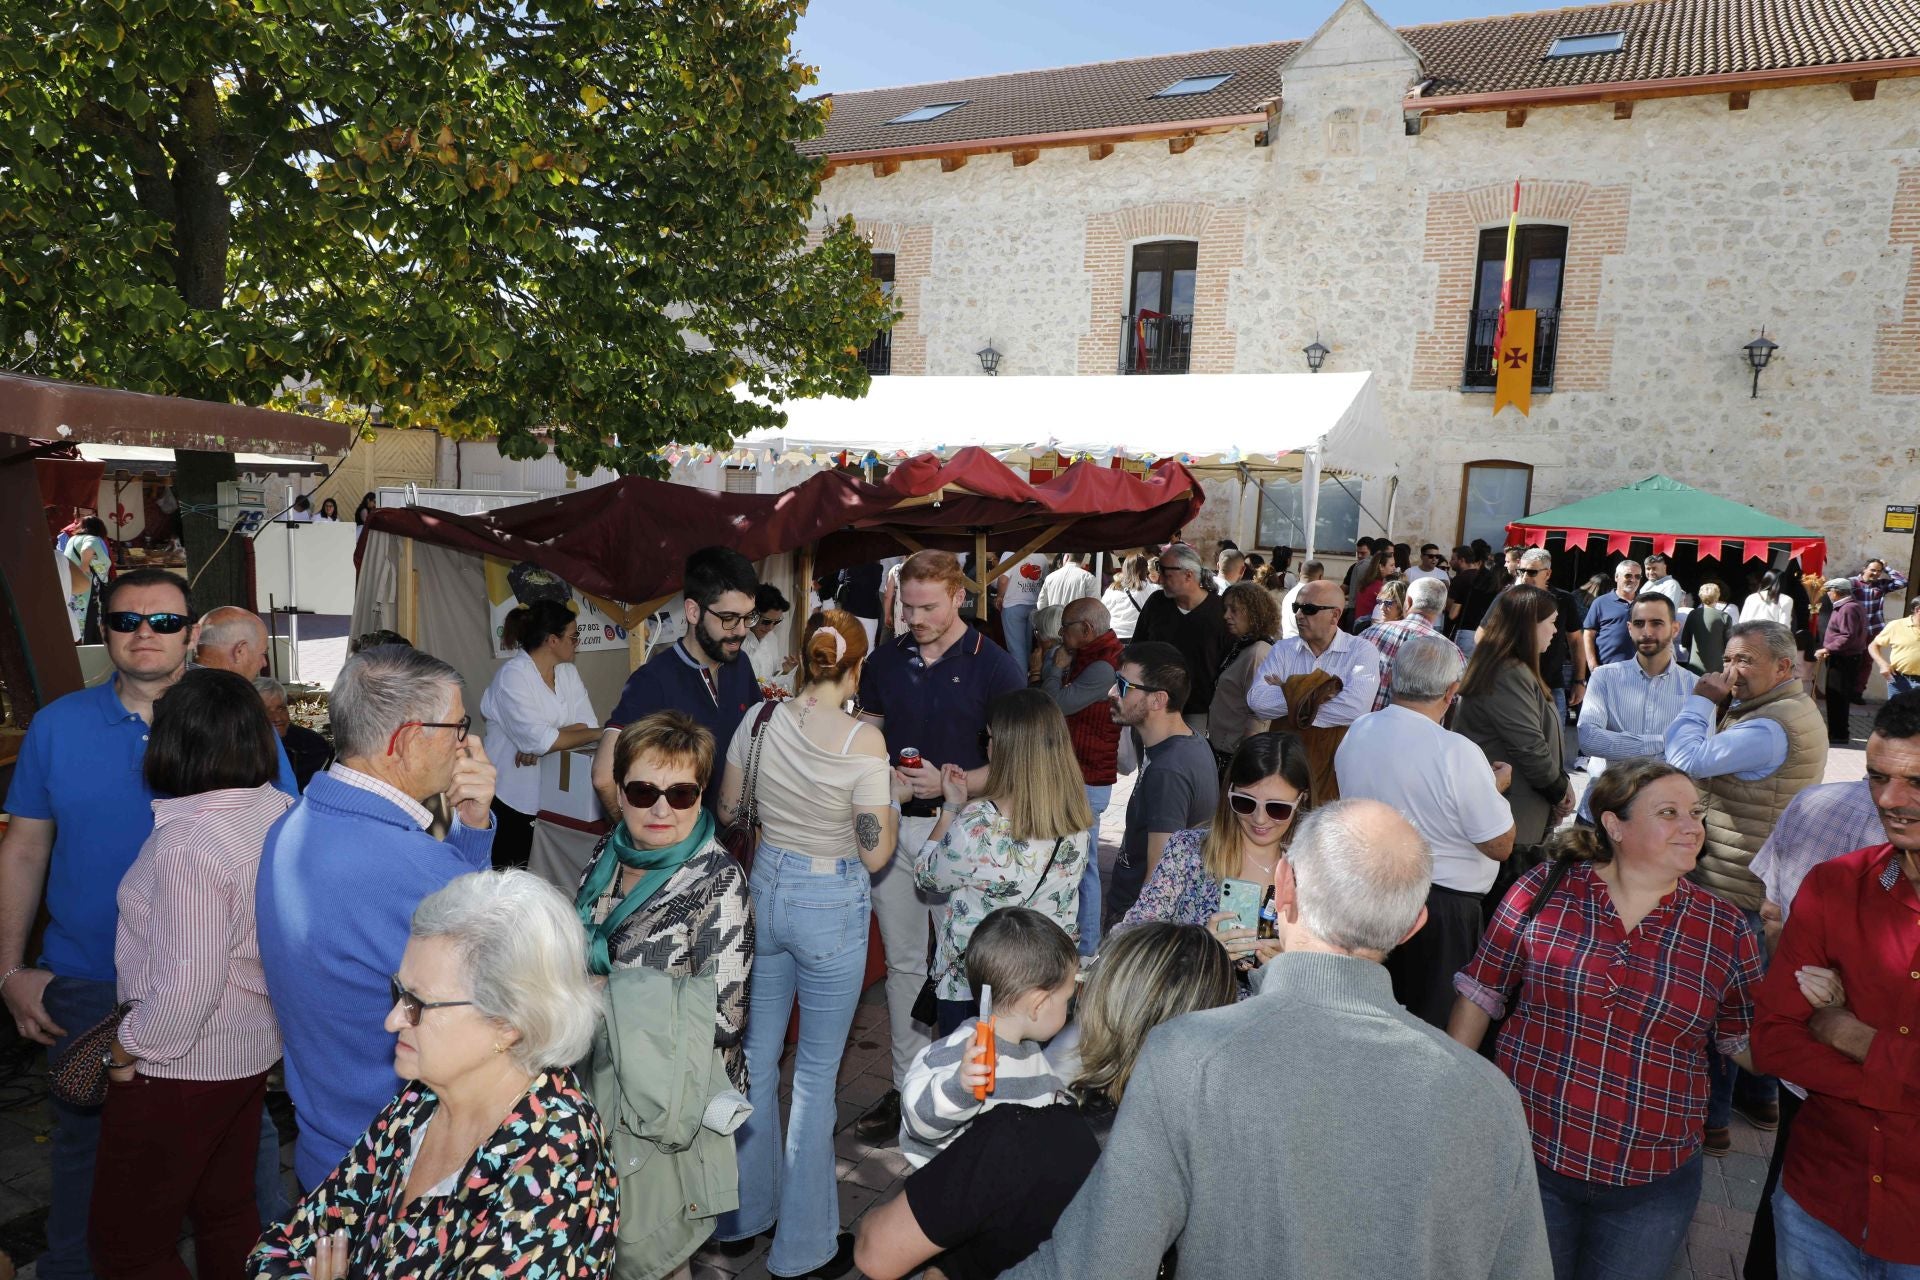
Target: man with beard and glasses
704,674
1836,1014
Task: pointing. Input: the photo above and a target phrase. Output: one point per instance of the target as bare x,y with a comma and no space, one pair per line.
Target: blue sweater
339,880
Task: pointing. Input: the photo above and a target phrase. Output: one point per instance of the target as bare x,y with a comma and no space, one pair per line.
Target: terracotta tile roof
1664,39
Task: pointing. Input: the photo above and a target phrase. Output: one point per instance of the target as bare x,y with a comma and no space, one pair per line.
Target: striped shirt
187,949
935,1108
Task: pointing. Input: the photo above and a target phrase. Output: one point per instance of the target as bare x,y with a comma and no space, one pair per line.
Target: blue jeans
810,939
1898,684
75,1004
1601,1232
1097,800
1809,1249
1726,1077
1016,624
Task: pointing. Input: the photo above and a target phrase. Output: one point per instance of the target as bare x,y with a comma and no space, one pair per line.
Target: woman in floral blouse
660,889
1266,789
1021,844
491,1157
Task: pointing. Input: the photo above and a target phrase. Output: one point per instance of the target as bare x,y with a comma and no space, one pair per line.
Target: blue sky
873,44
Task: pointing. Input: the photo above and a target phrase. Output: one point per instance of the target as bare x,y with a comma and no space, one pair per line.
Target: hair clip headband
839,641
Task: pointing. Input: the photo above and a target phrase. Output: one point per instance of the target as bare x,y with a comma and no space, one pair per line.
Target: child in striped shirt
1032,967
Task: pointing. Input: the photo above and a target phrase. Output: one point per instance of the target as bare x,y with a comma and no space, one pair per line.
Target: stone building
1692,171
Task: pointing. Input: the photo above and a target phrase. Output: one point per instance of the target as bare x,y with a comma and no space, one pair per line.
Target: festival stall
1663,513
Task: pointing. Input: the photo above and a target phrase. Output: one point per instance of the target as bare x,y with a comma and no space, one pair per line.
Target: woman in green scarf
660,889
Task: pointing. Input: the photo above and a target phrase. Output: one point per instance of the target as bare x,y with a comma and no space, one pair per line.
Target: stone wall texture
1690,227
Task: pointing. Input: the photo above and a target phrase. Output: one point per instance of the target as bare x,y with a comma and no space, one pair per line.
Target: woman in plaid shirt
1613,971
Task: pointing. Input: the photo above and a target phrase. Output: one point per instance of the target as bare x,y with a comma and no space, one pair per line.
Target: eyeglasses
163,624
459,728
1308,610
765,621
644,795
728,621
412,1006
1126,686
1245,805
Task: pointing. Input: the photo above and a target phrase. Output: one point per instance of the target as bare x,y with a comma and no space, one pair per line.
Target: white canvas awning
139,457
1288,422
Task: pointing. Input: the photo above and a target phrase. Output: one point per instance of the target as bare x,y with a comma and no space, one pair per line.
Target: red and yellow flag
1506,277
1513,363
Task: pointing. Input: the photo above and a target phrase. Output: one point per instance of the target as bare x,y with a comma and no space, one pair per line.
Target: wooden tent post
634,619
408,593
802,589
980,571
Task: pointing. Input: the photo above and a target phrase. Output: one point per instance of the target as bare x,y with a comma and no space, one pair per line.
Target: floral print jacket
538,1200
1179,891
982,867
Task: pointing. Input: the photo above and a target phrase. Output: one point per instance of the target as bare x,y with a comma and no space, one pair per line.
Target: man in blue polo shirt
928,690
702,675
1606,636
80,812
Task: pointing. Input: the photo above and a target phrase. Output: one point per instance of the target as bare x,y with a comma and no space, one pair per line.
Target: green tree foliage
586,219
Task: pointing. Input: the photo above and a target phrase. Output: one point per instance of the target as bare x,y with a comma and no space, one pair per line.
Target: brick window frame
1896,343
1221,234
1596,222
912,250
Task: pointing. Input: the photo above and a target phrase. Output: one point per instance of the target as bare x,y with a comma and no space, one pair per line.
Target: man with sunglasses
1606,636
1189,616
1433,564
1178,784
702,674
80,812
342,873
1320,646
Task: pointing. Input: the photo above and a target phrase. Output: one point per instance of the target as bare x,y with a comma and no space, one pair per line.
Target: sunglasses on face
644,795
412,1006
1308,610
1246,805
163,624
1126,686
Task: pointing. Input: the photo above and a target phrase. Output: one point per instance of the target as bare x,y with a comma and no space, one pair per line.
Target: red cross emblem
1515,358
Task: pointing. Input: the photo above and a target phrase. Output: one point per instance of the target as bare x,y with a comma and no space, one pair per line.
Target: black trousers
512,836
1423,966
1761,1264
1843,676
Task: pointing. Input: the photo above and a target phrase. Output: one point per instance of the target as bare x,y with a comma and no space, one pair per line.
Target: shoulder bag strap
1041,883
749,805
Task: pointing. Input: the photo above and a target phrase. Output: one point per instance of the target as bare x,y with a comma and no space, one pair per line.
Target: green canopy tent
1665,512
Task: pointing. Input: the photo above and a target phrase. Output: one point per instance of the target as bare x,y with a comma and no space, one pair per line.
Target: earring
499,1048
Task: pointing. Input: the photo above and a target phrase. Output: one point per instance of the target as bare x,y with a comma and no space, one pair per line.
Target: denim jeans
1016,625
75,1004
810,940
1898,684
1601,1232
1097,800
1809,1249
1727,1078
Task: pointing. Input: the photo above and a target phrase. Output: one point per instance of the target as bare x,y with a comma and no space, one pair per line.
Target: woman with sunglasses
660,888
491,1157
1507,710
1022,843
1267,786
824,795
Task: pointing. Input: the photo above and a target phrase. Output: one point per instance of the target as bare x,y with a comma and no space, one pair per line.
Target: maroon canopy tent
625,541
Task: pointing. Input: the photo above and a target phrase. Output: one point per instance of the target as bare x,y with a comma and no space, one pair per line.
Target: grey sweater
1315,1132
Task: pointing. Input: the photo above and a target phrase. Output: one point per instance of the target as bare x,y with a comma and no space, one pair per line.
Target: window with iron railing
877,356
1157,332
1539,262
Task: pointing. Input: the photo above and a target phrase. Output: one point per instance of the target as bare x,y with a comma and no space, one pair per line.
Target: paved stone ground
1716,1245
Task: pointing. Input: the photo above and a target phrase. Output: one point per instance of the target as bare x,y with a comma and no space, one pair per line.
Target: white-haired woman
491,1155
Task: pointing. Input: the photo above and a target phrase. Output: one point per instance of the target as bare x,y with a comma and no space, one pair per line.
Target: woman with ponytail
1614,972
822,792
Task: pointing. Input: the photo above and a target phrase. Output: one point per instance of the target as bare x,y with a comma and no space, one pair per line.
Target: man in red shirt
1849,1199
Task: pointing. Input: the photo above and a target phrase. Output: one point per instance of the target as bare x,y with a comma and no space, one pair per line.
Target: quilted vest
1740,815
1096,738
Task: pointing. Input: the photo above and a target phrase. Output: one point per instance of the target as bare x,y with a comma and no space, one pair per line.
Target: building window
1539,261
1492,496
1193,85
877,355
932,111
1575,46
1157,331
1283,517
741,480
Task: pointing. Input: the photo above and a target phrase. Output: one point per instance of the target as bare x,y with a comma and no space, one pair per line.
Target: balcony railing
1151,343
877,355
1480,369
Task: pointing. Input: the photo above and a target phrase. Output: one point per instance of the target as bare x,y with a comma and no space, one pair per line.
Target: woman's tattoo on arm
866,829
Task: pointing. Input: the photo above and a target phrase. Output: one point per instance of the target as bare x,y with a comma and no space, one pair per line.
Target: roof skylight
1576,46
932,111
1193,84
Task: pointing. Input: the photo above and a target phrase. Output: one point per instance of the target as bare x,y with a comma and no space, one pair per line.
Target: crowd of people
1371,987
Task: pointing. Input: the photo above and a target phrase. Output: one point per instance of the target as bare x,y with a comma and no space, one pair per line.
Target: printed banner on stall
510,585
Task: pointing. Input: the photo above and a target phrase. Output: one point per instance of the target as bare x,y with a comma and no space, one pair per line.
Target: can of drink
909,757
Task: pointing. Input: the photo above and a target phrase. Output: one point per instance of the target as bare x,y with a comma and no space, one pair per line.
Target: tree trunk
218,579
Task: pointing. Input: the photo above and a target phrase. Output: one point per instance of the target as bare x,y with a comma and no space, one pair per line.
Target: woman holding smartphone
1216,875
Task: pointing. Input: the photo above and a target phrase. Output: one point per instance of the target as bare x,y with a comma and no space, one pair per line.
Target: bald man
1077,677
1320,646
232,639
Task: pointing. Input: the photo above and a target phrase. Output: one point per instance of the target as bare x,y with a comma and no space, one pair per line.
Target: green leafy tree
581,224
